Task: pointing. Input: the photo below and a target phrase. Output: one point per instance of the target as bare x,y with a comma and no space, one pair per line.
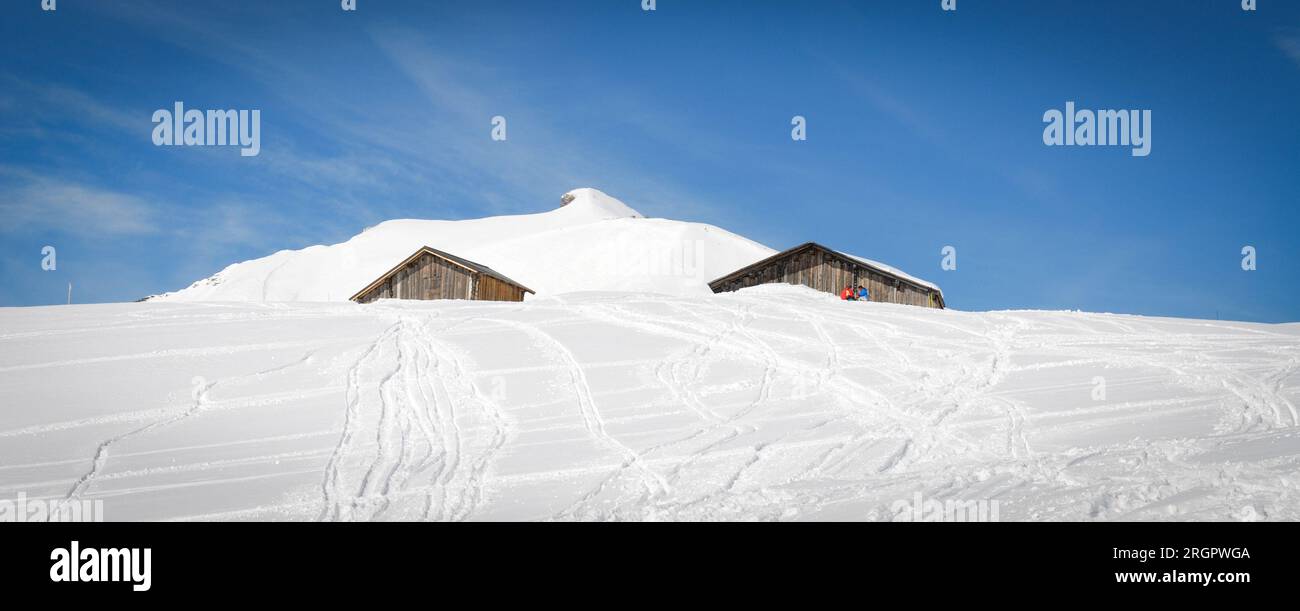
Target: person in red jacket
847,294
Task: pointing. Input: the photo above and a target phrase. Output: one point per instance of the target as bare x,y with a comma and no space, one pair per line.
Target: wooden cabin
434,274
829,271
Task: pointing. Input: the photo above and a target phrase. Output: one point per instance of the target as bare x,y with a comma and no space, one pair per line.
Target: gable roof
893,271
477,268
855,260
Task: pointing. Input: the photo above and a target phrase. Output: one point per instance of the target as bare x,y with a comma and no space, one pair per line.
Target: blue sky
924,130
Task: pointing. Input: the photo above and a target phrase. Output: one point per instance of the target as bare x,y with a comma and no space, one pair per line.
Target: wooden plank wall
491,289
430,277
815,268
427,277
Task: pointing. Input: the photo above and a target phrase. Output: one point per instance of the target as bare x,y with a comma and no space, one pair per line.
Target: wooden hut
829,271
434,274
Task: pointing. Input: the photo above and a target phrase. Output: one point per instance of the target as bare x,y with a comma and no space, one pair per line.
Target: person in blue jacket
863,294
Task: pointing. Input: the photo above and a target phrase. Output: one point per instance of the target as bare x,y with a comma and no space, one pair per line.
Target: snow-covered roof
461,261
894,271
881,267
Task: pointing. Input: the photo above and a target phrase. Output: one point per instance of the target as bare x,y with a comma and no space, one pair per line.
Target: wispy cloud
47,101
1289,42
538,156
51,204
434,144
1030,182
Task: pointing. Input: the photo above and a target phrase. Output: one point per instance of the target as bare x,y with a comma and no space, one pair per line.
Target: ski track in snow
771,404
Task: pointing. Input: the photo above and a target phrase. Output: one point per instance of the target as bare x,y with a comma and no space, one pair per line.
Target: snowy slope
594,243
771,403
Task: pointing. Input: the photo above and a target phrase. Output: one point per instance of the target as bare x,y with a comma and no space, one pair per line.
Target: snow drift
594,243
771,403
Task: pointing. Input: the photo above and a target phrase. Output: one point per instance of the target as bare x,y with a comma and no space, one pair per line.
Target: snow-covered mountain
594,243
626,390
774,403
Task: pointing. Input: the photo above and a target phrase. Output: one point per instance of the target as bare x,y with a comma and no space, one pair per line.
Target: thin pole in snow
69,293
